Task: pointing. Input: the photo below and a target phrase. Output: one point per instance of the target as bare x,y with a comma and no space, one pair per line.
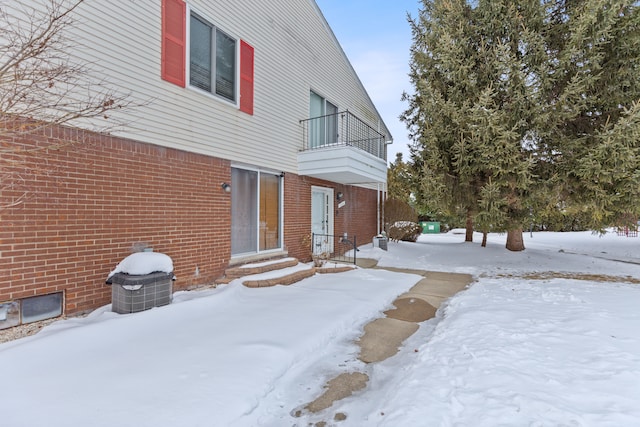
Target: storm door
322,220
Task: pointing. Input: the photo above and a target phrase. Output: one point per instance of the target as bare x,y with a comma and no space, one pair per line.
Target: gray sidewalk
383,337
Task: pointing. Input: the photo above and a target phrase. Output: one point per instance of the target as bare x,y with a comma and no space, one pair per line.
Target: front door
322,220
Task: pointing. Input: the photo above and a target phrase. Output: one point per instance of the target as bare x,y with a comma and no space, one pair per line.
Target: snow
276,273
519,347
141,263
265,263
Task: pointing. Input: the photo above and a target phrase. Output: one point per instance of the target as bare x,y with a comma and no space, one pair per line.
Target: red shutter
246,77
173,41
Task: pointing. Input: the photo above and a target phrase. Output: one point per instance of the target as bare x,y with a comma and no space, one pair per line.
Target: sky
543,337
376,37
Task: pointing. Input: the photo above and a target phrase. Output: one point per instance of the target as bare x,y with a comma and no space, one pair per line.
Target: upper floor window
323,125
212,59
211,56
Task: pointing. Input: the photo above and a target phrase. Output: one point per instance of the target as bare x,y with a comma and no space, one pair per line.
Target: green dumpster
430,227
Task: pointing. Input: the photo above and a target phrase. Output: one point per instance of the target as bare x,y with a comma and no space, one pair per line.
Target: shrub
406,231
397,211
401,221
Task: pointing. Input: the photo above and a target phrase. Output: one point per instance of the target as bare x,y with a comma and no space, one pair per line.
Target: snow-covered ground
520,347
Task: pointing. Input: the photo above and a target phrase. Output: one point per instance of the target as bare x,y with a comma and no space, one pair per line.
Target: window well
41,307
9,314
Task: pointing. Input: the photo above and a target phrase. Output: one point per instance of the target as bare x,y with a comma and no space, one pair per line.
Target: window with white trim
323,128
212,59
212,70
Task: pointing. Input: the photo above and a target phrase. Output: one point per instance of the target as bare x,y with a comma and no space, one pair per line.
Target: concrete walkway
383,337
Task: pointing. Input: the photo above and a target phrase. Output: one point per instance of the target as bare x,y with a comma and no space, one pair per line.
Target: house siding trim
293,52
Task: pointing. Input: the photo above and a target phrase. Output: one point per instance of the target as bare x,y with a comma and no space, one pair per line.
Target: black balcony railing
345,129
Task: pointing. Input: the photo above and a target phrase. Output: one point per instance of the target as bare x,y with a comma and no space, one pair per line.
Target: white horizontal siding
294,53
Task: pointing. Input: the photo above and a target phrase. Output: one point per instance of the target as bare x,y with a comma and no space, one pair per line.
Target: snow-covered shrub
398,210
406,231
320,259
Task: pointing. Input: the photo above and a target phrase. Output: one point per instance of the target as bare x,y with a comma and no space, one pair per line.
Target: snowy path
511,350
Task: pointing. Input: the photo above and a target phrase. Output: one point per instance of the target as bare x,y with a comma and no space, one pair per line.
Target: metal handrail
328,247
342,129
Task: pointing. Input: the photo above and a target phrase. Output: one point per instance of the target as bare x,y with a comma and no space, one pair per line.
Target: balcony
344,149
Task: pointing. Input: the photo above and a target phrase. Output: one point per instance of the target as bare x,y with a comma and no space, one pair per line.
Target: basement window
9,314
41,307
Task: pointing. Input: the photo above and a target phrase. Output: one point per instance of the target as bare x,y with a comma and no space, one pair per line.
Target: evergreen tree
589,133
399,185
444,43
518,99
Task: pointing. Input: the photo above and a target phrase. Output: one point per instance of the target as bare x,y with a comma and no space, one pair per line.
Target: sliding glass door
269,231
323,128
256,212
244,211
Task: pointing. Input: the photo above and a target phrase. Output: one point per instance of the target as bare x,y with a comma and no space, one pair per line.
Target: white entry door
322,220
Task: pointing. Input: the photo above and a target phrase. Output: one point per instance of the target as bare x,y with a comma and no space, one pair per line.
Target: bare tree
43,84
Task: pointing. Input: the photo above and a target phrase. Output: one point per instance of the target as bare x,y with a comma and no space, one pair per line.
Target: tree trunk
468,237
515,241
484,239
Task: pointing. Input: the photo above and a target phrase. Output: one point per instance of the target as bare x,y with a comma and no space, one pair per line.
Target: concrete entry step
281,277
282,271
233,273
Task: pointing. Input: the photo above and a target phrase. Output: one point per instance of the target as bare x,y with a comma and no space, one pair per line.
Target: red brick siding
297,216
359,215
357,218
85,204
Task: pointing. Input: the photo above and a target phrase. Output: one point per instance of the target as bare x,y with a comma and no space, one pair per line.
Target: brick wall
359,215
83,206
297,216
69,212
357,218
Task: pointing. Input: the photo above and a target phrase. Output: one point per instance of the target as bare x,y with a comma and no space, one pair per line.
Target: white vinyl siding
295,52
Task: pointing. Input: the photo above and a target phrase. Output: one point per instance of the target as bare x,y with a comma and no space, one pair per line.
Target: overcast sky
376,37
